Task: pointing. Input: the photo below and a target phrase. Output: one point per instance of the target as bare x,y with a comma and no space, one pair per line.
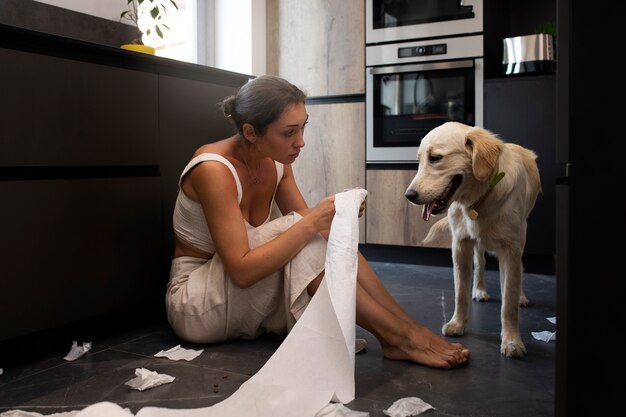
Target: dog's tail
438,233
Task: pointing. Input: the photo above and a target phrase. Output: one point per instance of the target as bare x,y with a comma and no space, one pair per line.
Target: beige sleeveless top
188,219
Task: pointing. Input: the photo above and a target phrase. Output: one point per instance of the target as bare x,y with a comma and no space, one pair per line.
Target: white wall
259,36
240,36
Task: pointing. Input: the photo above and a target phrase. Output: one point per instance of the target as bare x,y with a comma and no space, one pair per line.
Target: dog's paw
512,349
453,328
480,295
523,301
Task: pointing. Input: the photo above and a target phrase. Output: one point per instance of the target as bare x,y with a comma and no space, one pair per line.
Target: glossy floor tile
490,385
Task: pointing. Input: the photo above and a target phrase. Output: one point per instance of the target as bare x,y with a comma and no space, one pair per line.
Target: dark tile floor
489,385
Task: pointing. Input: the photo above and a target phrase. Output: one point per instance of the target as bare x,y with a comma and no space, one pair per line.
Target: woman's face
284,138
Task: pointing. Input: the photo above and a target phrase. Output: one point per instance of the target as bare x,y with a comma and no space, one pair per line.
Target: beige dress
203,306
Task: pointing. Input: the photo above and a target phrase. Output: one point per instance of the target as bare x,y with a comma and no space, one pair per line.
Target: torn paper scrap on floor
409,406
101,409
147,379
340,410
20,413
551,319
544,336
77,351
178,353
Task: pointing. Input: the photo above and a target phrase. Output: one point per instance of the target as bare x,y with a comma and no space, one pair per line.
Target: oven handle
422,67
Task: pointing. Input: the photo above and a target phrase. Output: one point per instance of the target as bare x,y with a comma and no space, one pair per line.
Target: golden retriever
487,188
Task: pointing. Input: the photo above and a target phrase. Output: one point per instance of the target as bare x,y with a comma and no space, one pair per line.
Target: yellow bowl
139,48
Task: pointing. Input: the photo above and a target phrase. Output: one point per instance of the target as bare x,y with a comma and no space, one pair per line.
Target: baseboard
533,263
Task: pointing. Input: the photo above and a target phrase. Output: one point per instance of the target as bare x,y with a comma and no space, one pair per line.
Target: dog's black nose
411,195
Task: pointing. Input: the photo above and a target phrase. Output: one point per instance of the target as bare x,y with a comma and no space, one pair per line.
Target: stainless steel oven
412,87
404,20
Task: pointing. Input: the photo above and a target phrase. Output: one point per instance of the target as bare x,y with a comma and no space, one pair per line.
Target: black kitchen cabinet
63,112
522,110
92,142
75,248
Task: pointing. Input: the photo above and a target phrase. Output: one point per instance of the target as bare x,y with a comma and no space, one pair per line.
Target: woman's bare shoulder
221,147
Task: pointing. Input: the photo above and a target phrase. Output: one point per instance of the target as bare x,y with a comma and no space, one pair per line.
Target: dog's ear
484,148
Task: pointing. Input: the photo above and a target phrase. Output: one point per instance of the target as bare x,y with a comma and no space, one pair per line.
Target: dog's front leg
462,257
479,289
511,287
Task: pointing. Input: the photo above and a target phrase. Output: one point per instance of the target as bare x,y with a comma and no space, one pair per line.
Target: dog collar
473,212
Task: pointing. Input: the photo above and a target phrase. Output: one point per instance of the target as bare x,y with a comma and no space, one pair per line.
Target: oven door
405,102
403,20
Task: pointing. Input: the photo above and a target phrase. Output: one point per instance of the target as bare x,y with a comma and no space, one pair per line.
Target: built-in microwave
413,87
405,20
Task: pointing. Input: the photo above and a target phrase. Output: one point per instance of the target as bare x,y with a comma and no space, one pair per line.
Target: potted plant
156,12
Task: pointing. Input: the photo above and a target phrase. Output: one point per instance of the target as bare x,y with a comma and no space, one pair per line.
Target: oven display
423,50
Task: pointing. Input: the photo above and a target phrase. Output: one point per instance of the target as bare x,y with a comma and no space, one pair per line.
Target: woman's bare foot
420,345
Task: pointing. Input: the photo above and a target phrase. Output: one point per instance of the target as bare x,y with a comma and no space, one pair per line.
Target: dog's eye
434,158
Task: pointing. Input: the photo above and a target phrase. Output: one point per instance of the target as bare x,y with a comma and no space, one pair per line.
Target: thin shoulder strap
279,172
214,157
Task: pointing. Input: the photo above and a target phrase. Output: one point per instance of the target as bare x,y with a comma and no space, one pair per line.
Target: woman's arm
216,190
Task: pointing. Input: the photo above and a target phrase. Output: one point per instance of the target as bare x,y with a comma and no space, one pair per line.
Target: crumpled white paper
409,406
340,410
101,409
147,379
544,336
177,353
20,413
77,351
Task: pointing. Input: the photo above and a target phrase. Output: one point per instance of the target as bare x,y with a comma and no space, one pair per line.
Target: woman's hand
362,208
323,213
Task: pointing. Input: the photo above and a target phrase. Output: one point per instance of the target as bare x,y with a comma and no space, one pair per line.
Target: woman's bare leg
401,337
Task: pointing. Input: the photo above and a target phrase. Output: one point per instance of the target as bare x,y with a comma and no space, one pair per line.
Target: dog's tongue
427,209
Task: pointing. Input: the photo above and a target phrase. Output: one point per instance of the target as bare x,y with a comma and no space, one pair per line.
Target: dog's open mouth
440,204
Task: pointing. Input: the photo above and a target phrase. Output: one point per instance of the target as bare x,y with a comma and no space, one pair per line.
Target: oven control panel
423,50
462,47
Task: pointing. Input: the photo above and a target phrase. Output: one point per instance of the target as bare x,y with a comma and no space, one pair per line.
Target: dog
487,188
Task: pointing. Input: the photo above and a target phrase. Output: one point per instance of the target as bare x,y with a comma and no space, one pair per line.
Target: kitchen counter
43,43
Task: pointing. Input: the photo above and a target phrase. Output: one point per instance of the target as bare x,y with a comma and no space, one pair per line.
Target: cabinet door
333,158
523,110
74,249
390,218
318,45
62,112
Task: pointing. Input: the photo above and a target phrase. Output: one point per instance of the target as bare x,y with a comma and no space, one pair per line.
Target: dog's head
456,163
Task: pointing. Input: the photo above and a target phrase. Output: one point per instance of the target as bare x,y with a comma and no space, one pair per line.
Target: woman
235,273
